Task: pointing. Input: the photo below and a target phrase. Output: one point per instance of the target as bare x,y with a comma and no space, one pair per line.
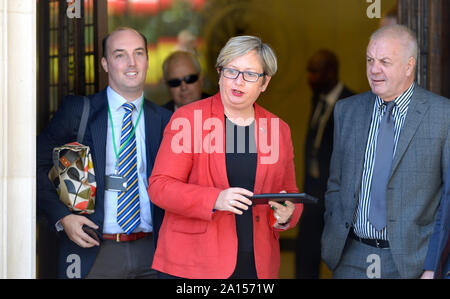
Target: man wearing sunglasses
182,74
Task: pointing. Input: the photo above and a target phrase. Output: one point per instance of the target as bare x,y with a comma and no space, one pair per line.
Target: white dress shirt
362,227
319,120
115,102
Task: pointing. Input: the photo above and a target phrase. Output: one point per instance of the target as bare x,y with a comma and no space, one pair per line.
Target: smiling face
238,95
390,71
126,63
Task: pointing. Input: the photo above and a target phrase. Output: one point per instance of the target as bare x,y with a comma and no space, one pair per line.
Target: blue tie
382,168
128,205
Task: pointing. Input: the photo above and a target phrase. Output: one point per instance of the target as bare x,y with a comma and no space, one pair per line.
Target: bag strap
83,121
81,129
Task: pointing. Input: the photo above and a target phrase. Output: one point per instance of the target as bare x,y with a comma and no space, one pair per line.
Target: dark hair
328,60
105,39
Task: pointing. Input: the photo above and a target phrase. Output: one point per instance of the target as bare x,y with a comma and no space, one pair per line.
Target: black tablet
260,199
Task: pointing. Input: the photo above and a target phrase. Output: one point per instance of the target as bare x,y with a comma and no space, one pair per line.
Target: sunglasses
189,79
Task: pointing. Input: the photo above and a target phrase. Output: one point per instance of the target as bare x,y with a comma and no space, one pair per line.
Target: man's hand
427,275
73,226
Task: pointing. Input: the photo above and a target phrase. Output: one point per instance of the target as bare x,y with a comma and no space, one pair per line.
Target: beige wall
17,138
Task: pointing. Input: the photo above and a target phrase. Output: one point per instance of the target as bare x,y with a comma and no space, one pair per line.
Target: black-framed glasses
246,75
189,79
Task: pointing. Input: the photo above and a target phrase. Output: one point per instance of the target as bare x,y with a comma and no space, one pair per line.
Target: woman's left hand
282,213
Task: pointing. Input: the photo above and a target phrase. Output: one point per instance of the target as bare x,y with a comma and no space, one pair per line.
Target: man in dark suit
437,262
124,251
390,156
323,78
183,76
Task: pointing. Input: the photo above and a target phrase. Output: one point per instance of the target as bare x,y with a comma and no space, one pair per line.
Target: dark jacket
63,129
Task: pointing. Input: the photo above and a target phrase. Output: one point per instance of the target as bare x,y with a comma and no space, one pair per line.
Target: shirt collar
115,100
402,101
332,96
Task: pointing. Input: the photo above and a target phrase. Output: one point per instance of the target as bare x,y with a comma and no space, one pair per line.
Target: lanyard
129,137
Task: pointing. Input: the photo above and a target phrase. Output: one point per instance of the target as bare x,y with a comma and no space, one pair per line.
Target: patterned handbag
73,171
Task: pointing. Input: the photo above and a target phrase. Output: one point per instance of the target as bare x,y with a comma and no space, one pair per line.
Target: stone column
17,138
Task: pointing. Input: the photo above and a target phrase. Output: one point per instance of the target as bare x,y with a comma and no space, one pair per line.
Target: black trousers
308,249
245,266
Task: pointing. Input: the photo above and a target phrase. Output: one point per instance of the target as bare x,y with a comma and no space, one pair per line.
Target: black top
241,160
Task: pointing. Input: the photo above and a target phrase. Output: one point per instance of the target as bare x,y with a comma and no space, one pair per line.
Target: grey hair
240,45
178,54
400,32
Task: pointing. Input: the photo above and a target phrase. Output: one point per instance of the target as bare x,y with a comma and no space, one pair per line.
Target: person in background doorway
323,78
183,77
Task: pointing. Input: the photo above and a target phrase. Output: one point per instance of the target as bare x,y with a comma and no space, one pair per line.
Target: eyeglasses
189,79
246,75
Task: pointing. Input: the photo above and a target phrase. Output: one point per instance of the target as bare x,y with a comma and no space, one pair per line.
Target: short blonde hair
241,45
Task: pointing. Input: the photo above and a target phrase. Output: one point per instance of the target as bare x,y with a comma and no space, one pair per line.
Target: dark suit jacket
440,235
313,186
63,129
415,184
170,105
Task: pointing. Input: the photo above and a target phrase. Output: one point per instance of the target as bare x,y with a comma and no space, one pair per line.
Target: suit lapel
152,134
98,126
216,159
363,118
416,112
261,168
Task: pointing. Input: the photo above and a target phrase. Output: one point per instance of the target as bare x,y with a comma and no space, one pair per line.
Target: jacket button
347,225
257,218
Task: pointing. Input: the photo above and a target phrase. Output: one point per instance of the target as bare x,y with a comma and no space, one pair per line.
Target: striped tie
128,201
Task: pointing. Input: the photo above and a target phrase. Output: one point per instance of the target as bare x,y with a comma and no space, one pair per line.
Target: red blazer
195,241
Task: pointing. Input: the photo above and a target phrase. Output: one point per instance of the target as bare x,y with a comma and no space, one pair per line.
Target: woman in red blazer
215,153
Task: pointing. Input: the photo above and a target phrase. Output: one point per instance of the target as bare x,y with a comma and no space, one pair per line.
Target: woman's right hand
233,199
